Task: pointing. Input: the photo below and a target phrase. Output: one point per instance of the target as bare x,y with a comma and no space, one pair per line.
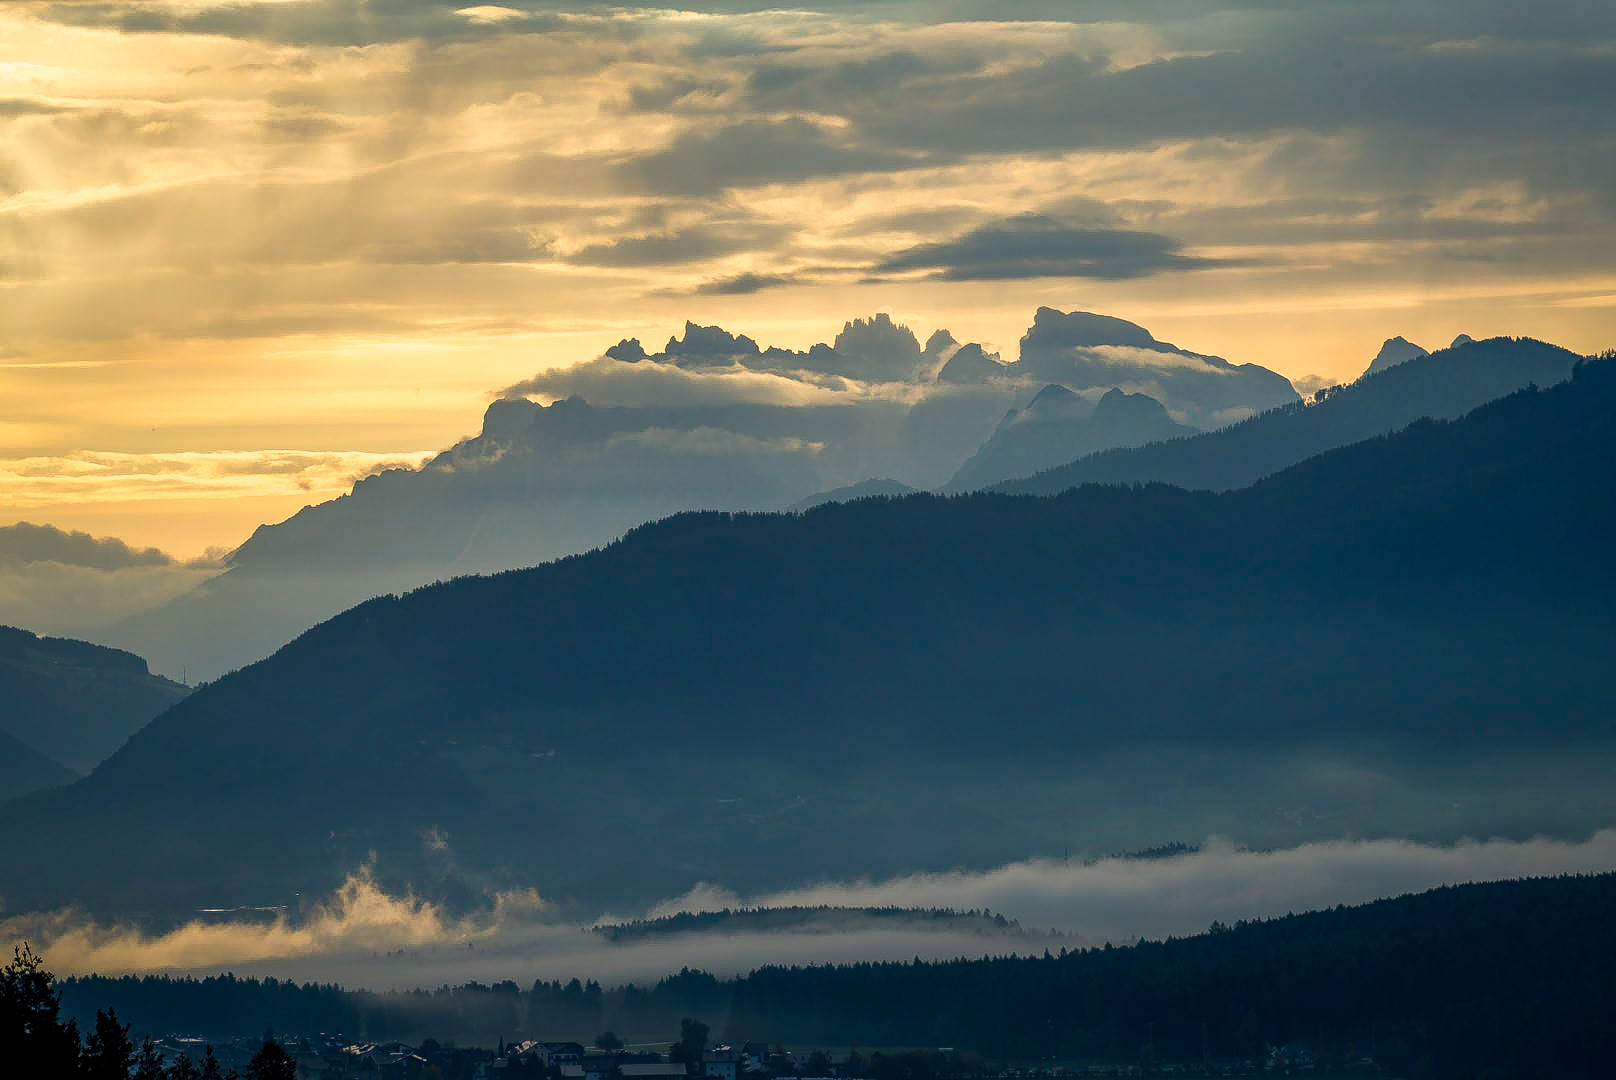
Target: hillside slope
1410,635
74,701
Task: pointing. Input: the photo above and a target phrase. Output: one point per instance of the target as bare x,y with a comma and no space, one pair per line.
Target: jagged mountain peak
1394,351
880,348
711,343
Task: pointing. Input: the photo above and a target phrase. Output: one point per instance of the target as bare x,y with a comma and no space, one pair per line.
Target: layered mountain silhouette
24,769
1406,636
1443,384
1058,425
72,701
865,489
712,421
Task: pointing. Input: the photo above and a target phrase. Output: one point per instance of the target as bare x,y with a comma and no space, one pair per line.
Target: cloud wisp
114,476
365,937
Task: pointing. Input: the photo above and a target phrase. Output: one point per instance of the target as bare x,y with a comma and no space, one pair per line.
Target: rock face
1059,426
878,349
1397,350
1462,339
1082,350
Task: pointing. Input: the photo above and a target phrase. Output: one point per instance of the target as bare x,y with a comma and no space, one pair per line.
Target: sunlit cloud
110,476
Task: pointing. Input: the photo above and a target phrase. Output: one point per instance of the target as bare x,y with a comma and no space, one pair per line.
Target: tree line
38,1041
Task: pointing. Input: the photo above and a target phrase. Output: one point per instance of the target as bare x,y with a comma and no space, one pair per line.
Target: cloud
1310,384
755,152
489,13
28,543
1119,899
1037,246
284,176
711,441
364,937
54,581
744,284
694,244
604,381
109,476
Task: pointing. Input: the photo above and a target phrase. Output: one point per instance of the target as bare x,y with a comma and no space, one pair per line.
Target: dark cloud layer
1035,246
681,246
743,284
28,543
754,152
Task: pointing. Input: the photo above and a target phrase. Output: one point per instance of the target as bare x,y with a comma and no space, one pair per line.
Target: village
333,1057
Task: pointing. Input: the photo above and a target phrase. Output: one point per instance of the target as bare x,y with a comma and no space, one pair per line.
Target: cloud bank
112,476
364,937
54,581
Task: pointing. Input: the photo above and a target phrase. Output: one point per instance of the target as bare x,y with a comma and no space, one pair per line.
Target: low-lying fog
363,937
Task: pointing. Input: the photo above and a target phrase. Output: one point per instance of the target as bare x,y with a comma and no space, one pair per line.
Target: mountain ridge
1443,384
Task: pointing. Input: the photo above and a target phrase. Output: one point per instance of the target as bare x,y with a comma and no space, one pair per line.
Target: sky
253,249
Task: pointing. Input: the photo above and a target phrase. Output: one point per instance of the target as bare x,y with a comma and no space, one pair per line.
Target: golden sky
252,250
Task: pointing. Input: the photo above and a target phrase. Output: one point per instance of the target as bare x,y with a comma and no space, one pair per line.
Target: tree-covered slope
900,684
1442,385
74,701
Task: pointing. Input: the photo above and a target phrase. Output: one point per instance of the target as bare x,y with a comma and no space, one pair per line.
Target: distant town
334,1057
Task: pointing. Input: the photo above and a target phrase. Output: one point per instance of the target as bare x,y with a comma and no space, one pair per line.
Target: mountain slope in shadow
1444,384
1058,425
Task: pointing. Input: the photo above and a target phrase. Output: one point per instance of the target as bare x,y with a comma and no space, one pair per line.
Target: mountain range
712,421
1407,636
1442,385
